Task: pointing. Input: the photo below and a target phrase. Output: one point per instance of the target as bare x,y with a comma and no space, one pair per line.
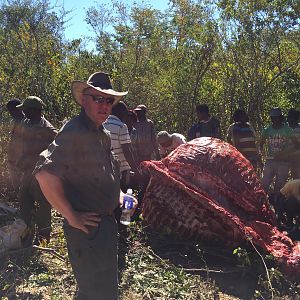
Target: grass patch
152,266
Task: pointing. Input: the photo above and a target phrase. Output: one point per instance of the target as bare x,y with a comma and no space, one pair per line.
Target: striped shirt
119,135
243,138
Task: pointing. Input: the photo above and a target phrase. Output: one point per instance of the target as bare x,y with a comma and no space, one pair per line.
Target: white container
127,206
10,235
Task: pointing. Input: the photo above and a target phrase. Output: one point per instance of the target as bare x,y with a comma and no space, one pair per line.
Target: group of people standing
84,169
31,133
278,143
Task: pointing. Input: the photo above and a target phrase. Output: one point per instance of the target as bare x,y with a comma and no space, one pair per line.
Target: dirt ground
44,272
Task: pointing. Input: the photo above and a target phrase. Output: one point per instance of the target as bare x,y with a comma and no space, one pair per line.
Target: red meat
207,190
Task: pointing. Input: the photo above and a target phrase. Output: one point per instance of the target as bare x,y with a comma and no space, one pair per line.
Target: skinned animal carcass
207,190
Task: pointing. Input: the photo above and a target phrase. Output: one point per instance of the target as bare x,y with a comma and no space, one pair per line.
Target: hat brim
77,87
140,109
22,106
276,115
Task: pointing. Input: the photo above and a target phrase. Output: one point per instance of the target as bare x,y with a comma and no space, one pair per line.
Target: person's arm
229,137
162,151
263,140
154,142
295,141
182,140
25,158
125,142
51,134
128,153
257,145
262,144
218,129
190,135
52,188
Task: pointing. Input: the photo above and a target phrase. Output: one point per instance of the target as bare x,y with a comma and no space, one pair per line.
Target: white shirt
177,139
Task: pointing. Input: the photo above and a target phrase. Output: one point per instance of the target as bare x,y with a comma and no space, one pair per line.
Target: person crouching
288,202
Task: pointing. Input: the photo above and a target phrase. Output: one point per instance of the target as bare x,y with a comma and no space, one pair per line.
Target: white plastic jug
10,235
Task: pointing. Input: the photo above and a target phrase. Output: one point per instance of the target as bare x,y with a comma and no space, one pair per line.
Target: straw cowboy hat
98,81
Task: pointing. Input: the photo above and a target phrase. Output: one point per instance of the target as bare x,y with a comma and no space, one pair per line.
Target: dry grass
152,267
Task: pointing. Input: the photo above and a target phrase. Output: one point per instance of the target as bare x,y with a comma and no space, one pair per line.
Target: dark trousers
289,206
93,259
34,208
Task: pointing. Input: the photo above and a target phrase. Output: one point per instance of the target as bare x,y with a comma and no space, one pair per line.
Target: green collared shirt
81,157
36,137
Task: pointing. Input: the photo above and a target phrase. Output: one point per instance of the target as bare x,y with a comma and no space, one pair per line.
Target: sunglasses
101,100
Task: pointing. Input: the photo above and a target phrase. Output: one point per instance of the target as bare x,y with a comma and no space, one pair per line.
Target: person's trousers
93,258
295,170
15,175
34,207
275,169
125,181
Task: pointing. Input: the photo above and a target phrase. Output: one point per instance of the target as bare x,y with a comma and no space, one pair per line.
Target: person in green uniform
80,177
37,134
15,142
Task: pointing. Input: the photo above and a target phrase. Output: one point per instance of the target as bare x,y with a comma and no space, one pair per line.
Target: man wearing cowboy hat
80,178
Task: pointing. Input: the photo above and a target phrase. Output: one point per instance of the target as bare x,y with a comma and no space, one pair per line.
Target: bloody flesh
207,190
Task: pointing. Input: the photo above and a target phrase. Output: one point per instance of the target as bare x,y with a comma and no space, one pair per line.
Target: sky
76,27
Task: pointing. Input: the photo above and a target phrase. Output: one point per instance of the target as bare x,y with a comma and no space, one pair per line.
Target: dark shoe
27,237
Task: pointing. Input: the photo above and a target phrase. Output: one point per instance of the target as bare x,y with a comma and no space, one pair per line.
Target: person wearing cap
15,142
130,120
207,125
37,134
146,145
168,142
288,202
275,138
80,177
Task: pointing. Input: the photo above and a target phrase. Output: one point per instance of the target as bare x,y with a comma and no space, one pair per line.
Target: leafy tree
32,49
259,49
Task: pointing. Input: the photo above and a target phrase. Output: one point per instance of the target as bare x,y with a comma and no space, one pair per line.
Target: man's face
15,112
167,143
97,112
201,115
32,113
244,118
292,119
140,114
277,120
